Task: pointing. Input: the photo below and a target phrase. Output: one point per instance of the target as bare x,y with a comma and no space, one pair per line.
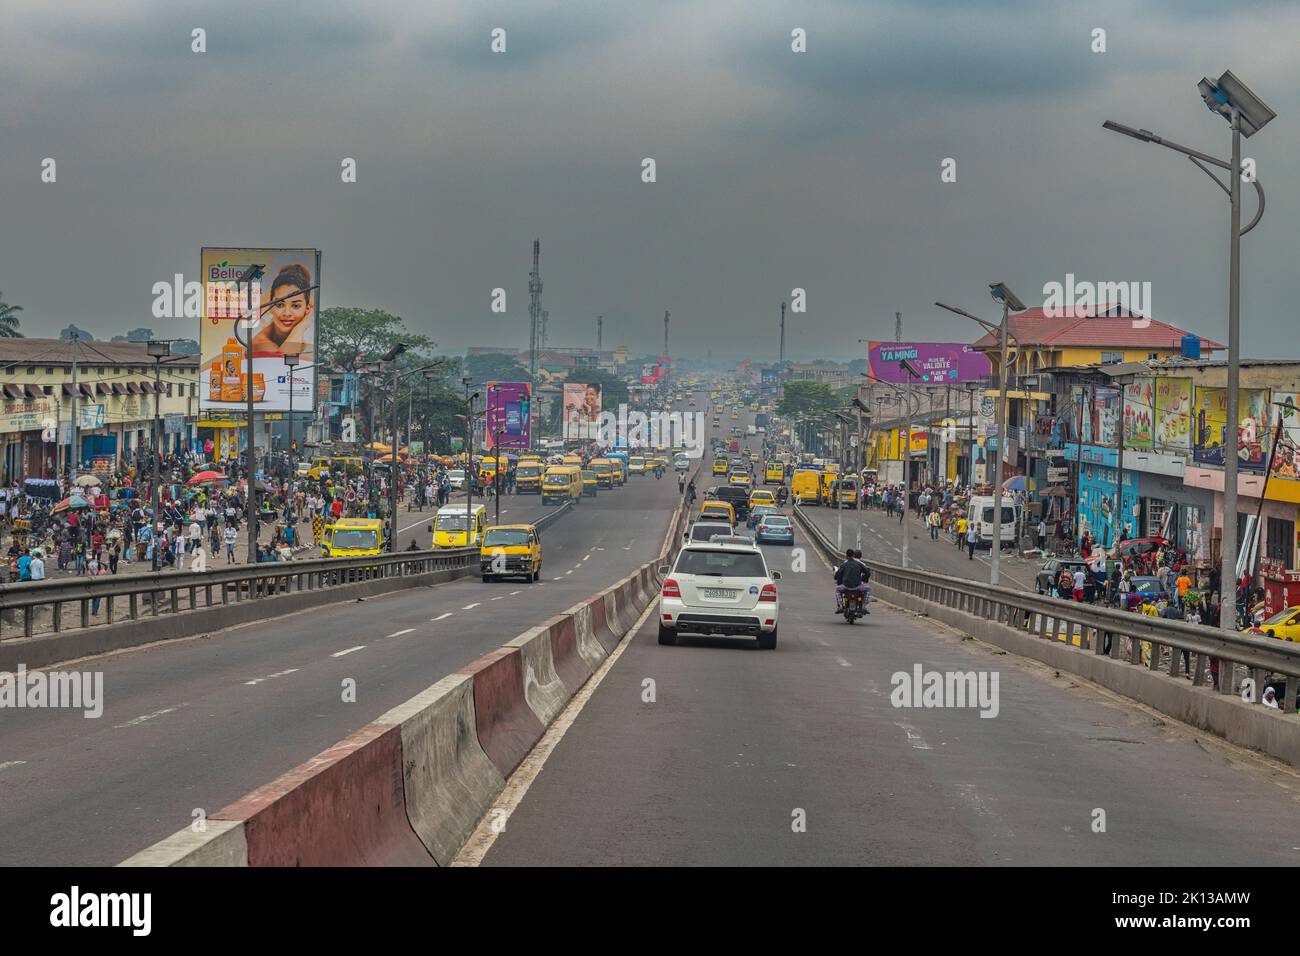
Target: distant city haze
775,170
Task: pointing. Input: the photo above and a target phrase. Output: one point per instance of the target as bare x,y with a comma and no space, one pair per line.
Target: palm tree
9,319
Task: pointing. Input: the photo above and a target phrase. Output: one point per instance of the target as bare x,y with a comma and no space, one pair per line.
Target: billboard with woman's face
581,411
282,320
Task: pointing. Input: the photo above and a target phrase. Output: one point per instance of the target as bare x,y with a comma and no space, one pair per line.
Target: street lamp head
291,359
1144,135
396,350
159,350
1003,294
1230,93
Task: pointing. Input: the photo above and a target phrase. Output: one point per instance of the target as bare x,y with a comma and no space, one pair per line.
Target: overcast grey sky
776,170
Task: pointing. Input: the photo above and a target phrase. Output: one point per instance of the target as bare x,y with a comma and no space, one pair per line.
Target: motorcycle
853,606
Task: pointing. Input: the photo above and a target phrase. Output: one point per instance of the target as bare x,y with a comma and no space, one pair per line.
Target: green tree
806,398
9,319
350,338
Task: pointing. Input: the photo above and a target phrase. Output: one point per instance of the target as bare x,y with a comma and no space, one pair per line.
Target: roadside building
118,391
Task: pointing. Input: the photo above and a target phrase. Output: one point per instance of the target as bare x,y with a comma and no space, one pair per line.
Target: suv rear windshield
740,564
703,531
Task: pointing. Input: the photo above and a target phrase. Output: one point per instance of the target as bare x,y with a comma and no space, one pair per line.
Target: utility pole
666,315
534,311
600,330
249,321
780,361
72,432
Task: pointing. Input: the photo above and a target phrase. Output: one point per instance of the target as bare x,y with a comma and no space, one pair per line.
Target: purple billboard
937,363
508,415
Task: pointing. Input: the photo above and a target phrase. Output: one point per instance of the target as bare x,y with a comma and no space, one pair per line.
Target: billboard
1173,413
1253,434
284,321
508,405
1286,459
937,363
1139,412
581,411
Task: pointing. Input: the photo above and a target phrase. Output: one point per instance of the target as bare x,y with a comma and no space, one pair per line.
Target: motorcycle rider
852,575
781,494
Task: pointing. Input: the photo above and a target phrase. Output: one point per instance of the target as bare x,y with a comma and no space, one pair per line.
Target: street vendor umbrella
207,478
1015,483
72,503
88,481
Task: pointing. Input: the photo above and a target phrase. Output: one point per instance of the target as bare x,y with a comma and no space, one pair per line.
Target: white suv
719,588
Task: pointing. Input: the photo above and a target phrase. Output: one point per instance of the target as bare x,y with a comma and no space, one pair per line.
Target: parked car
1142,589
1050,572
1284,625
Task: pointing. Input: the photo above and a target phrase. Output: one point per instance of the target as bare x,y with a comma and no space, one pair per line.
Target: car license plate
719,593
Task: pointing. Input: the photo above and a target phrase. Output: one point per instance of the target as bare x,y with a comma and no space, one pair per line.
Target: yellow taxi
740,478
604,469
574,460
720,466
718,511
774,473
456,527
562,483
805,486
511,550
353,538
761,496
636,465
590,486
528,476
1284,625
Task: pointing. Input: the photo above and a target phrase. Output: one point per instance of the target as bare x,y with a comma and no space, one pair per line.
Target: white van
979,512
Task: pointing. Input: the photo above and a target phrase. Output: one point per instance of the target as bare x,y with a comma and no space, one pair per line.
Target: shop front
1100,505
25,424
1277,511
1171,509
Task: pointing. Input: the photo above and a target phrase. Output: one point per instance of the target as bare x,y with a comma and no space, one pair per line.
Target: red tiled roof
1086,328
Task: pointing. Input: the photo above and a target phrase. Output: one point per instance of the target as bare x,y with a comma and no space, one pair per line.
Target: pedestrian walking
971,535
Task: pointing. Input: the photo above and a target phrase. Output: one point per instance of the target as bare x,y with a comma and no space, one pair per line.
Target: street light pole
158,351
1001,417
291,360
249,323
1246,115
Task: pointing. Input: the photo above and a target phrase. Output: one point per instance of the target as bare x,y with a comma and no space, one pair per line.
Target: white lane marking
258,680
401,632
588,556
513,593
498,597
914,736
12,763
578,567
566,572
424,520
555,579
842,662
470,607
359,647
516,788
441,616
140,720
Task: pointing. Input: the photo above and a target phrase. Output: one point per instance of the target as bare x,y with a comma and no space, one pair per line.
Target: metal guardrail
148,594
1122,635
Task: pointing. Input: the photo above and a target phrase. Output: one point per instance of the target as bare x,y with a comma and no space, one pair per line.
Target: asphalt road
881,538
196,724
740,743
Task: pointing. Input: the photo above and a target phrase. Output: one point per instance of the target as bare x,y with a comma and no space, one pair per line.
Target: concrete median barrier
569,661
448,779
507,727
544,692
220,843
344,807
